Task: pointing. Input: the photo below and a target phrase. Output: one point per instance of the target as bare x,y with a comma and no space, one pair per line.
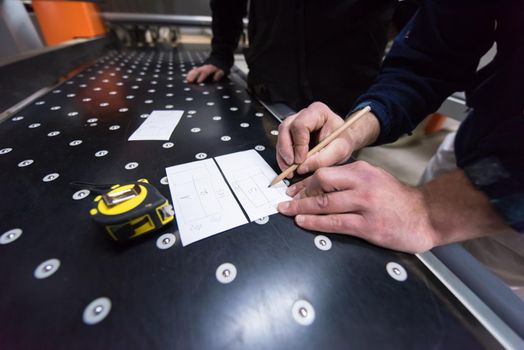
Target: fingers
219,74
335,152
324,203
324,180
283,166
329,190
201,73
205,72
298,130
296,188
284,145
353,224
307,121
192,75
295,135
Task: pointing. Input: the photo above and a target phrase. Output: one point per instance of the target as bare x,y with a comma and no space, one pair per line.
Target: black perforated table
66,285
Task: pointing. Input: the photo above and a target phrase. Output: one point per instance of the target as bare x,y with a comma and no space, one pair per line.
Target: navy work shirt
437,54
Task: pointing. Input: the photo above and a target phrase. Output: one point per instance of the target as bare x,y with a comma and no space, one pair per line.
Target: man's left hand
361,200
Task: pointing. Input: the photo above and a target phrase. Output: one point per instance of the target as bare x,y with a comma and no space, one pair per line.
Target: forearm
457,211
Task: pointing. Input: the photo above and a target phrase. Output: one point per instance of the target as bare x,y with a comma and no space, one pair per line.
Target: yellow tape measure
131,210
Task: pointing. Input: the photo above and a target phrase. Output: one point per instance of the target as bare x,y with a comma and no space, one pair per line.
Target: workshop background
77,78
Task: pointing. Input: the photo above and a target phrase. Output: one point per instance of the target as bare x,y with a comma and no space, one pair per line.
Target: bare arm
458,211
365,201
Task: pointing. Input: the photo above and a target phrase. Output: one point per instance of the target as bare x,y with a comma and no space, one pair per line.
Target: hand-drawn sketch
203,203
249,176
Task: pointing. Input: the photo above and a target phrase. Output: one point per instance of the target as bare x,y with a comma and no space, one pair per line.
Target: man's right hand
199,74
295,134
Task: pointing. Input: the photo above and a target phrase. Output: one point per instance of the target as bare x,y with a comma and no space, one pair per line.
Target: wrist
364,132
457,211
220,62
427,220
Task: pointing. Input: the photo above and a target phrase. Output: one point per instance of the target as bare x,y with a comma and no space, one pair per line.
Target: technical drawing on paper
249,176
203,203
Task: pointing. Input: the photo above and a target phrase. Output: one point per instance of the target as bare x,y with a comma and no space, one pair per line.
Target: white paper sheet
248,174
204,204
158,126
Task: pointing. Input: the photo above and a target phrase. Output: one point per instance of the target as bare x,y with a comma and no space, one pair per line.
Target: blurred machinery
17,32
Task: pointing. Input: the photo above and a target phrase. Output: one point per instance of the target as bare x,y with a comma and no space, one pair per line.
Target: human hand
199,74
361,200
295,134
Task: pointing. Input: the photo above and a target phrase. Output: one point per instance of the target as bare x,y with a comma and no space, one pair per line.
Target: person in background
478,192
301,51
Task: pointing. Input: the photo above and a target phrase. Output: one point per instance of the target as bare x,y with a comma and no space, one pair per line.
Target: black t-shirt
305,51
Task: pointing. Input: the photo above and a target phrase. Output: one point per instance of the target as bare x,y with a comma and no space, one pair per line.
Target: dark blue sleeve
227,27
435,55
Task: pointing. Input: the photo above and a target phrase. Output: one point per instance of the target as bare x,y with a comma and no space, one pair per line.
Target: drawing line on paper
200,195
251,188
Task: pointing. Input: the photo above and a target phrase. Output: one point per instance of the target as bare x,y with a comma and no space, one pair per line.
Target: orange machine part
434,123
65,20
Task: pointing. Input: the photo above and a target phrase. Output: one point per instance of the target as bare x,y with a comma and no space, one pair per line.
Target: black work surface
166,299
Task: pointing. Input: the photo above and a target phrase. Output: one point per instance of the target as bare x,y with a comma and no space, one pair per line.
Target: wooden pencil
350,121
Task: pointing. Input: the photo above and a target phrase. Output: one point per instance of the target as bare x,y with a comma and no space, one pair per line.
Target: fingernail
299,219
304,169
297,196
283,206
291,190
288,159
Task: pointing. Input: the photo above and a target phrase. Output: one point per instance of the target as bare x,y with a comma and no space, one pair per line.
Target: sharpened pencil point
349,121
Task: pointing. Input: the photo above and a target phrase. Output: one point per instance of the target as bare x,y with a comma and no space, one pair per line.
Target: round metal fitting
10,236
303,312
46,269
323,243
396,271
226,273
165,241
96,311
